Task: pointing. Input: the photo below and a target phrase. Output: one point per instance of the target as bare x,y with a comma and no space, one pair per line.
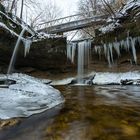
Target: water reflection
90,113
99,112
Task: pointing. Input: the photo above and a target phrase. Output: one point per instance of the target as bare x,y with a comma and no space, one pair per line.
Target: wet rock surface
44,55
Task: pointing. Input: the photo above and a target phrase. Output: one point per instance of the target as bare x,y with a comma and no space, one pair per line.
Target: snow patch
114,21
27,97
42,35
114,78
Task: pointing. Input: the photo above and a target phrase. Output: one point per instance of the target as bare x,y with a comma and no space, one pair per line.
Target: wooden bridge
71,23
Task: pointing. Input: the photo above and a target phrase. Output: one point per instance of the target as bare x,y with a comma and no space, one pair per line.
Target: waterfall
13,58
27,43
81,59
83,48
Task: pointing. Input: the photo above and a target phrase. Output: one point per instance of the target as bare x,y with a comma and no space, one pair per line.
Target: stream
89,113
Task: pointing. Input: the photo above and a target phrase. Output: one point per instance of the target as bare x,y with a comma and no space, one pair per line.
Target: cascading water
83,49
81,61
12,61
27,43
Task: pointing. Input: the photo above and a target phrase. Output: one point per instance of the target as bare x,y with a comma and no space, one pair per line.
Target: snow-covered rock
42,35
123,13
26,97
114,78
103,78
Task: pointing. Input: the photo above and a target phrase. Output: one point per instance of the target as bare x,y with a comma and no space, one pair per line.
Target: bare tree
32,11
38,13
21,12
51,11
89,7
34,21
93,7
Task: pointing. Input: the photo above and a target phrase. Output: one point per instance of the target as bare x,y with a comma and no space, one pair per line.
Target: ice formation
26,97
27,45
114,78
124,12
128,45
104,78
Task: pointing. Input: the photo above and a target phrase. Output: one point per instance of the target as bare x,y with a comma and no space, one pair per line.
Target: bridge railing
67,19
59,21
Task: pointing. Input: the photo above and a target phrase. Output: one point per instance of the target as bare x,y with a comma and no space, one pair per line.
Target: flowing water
83,49
13,58
27,44
89,113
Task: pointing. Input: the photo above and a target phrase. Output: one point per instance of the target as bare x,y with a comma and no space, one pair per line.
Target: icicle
108,57
73,52
111,52
27,44
122,43
71,49
89,50
85,52
128,43
133,49
69,46
117,48
105,50
99,51
96,49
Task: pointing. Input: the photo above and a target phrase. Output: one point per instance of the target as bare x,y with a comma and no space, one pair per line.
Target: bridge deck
72,25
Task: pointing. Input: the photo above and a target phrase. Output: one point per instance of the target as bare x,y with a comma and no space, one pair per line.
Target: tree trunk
21,13
12,6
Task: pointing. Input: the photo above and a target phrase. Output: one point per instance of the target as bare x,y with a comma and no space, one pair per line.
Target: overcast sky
68,6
